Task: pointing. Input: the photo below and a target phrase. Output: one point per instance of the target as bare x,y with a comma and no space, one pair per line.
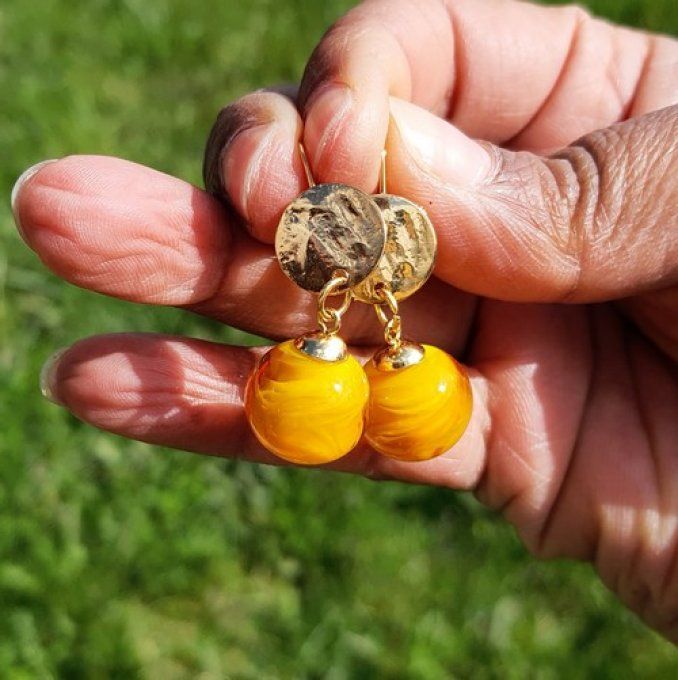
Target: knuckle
621,173
578,173
539,196
606,192
578,14
589,179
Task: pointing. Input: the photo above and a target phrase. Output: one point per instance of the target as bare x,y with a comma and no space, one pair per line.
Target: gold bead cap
326,347
396,358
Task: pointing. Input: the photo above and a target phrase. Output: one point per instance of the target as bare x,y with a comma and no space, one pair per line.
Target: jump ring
329,318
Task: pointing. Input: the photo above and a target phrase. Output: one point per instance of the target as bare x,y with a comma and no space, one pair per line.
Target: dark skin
557,279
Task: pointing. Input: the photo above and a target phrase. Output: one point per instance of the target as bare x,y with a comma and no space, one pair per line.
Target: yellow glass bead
418,412
306,410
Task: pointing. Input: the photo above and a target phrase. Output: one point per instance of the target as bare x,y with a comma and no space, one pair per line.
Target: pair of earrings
308,400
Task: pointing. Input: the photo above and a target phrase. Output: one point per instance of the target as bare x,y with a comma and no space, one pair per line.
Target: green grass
122,560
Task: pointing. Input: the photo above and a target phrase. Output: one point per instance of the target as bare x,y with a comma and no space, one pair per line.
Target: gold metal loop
392,332
382,175
307,166
392,326
329,318
389,300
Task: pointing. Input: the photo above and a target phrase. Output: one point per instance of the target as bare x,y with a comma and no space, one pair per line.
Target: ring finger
188,394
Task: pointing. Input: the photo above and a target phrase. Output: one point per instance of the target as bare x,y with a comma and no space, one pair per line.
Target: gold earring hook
307,165
382,178
311,181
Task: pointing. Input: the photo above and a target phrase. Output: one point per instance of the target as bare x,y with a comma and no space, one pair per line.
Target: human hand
574,430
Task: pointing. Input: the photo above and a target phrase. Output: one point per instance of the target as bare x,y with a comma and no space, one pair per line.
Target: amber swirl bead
304,409
419,410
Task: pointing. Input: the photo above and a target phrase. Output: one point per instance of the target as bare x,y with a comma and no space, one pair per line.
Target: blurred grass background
122,560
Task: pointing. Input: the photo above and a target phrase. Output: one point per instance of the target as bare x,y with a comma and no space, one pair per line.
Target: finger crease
580,19
551,513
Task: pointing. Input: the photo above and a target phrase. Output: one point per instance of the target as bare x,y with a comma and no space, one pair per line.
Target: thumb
597,220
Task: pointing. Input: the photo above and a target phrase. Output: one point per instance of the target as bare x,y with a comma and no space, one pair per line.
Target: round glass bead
420,411
306,410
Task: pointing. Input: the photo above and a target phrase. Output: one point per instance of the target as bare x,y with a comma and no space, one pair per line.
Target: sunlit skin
556,281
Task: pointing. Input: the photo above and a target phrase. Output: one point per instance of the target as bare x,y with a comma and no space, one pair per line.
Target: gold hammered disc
410,251
330,227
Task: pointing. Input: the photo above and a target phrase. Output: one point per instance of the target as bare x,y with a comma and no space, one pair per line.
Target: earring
420,398
306,398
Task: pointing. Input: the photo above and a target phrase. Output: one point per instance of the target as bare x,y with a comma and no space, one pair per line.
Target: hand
574,434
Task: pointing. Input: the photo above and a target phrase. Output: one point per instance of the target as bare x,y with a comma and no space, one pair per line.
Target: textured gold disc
410,251
330,227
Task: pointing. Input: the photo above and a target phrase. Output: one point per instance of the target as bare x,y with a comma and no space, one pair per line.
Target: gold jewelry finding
392,326
325,343
409,252
420,397
306,398
329,227
398,353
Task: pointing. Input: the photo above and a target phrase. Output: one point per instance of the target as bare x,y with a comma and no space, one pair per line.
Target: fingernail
16,189
326,114
438,147
48,375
